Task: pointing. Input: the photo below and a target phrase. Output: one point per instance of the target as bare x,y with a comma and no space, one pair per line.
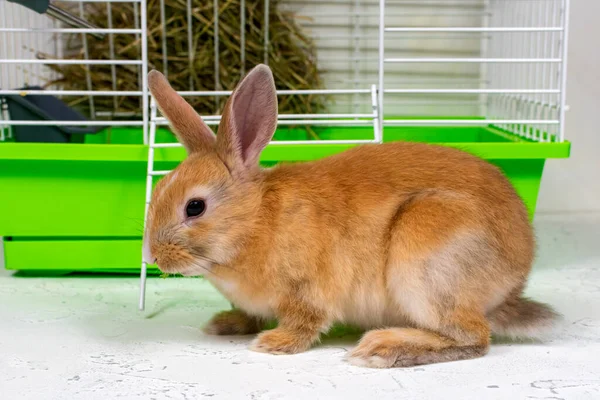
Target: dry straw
291,54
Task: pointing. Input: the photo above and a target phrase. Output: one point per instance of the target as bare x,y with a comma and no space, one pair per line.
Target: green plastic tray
79,207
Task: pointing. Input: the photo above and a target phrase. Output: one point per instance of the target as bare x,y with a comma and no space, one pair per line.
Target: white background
573,184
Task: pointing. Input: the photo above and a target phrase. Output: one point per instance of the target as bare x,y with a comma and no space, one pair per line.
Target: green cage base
80,207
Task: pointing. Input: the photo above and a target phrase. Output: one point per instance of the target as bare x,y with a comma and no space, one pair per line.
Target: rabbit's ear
189,128
249,121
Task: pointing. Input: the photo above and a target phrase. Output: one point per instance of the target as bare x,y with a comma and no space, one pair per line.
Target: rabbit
425,248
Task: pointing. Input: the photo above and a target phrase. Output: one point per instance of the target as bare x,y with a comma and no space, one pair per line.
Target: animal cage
486,76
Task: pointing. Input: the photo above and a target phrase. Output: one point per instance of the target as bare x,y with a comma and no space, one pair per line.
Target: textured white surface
82,338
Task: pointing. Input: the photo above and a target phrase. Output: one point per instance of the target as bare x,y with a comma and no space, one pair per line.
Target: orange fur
427,241
233,322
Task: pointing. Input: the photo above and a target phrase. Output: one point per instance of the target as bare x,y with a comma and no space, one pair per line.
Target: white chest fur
251,303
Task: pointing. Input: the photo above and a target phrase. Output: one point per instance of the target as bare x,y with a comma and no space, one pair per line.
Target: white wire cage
385,64
33,42
501,62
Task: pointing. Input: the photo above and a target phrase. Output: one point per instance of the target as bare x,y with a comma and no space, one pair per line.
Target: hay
291,54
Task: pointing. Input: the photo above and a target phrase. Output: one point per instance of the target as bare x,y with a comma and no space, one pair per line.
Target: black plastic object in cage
33,107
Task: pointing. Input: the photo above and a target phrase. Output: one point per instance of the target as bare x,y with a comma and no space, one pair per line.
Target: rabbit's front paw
232,322
281,341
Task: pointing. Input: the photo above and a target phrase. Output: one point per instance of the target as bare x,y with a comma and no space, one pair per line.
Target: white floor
83,338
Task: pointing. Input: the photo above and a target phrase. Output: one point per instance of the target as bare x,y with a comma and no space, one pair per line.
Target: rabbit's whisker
199,265
197,254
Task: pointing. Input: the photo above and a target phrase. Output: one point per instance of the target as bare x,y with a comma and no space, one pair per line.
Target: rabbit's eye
195,208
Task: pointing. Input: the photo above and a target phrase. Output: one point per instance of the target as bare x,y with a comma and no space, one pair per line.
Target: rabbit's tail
521,318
